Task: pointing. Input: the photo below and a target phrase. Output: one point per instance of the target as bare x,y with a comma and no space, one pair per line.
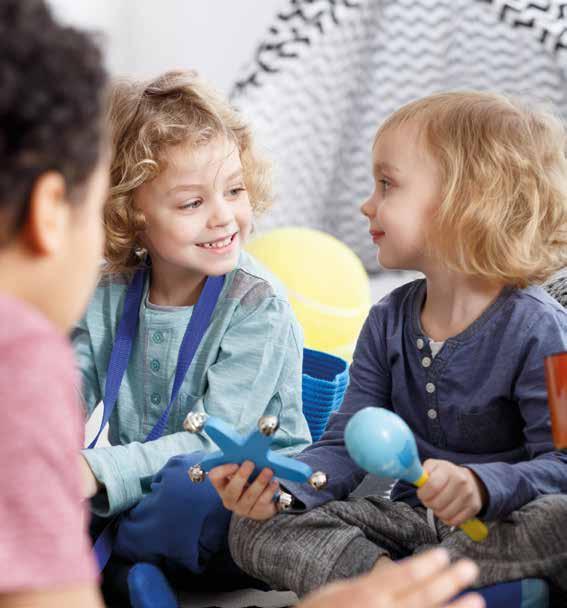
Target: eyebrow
233,175
382,166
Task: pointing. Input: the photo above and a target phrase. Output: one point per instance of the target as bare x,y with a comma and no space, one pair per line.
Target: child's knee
244,527
553,507
177,519
242,535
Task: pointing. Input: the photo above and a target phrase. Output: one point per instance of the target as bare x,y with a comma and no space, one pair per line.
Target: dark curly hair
52,105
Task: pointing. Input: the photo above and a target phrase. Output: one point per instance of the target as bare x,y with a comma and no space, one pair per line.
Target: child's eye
195,204
234,192
385,185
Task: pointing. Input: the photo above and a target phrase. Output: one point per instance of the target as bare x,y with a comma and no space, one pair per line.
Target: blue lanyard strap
193,335
126,333
118,363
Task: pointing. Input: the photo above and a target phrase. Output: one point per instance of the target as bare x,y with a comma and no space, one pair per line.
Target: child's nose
222,212
368,208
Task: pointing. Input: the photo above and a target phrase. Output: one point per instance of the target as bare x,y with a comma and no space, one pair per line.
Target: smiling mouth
219,243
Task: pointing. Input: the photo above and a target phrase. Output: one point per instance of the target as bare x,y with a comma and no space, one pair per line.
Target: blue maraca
381,443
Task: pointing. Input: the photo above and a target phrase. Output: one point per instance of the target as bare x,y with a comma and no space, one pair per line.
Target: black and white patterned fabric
557,287
329,71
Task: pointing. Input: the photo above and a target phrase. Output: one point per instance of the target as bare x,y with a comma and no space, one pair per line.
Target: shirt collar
417,298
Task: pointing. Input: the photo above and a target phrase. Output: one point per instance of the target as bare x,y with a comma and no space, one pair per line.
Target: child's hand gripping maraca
380,442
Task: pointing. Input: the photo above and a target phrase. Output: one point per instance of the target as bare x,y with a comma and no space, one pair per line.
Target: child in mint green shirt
185,185
248,365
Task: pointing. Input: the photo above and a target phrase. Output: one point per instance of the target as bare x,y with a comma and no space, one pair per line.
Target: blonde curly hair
503,166
145,120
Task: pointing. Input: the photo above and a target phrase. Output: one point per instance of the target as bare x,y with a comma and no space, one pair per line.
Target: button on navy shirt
480,402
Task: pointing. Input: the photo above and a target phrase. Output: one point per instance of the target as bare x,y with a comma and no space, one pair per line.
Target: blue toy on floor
149,588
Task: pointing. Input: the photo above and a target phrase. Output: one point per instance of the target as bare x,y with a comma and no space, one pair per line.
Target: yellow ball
327,285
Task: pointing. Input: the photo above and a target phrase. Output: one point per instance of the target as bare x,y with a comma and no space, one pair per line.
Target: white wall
143,37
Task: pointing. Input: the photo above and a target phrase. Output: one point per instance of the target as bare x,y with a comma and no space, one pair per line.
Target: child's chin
387,263
383,261
222,265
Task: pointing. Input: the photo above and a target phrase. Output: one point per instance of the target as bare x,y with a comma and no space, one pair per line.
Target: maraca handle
473,528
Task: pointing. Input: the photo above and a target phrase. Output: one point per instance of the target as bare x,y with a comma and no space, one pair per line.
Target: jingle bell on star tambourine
235,449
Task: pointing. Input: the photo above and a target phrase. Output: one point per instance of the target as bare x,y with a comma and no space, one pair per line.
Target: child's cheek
245,221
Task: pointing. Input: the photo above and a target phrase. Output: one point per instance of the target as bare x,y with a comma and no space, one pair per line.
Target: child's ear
48,215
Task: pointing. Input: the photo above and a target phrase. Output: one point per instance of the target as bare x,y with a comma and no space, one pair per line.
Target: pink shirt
43,537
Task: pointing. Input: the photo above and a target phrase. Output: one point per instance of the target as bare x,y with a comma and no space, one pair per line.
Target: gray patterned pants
344,538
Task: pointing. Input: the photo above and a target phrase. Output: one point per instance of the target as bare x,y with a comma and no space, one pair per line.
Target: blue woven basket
325,378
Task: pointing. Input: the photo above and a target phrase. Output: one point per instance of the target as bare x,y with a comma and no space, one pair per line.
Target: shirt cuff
121,487
504,489
305,497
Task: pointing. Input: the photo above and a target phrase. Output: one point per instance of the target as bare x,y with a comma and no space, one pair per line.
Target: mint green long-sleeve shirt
247,365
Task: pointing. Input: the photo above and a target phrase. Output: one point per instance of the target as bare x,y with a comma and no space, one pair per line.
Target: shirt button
420,343
155,365
158,337
432,414
426,362
155,398
430,387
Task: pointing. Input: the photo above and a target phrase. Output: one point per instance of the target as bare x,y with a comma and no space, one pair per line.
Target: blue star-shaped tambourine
235,449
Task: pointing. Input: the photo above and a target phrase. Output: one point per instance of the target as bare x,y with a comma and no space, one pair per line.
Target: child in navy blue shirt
471,190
